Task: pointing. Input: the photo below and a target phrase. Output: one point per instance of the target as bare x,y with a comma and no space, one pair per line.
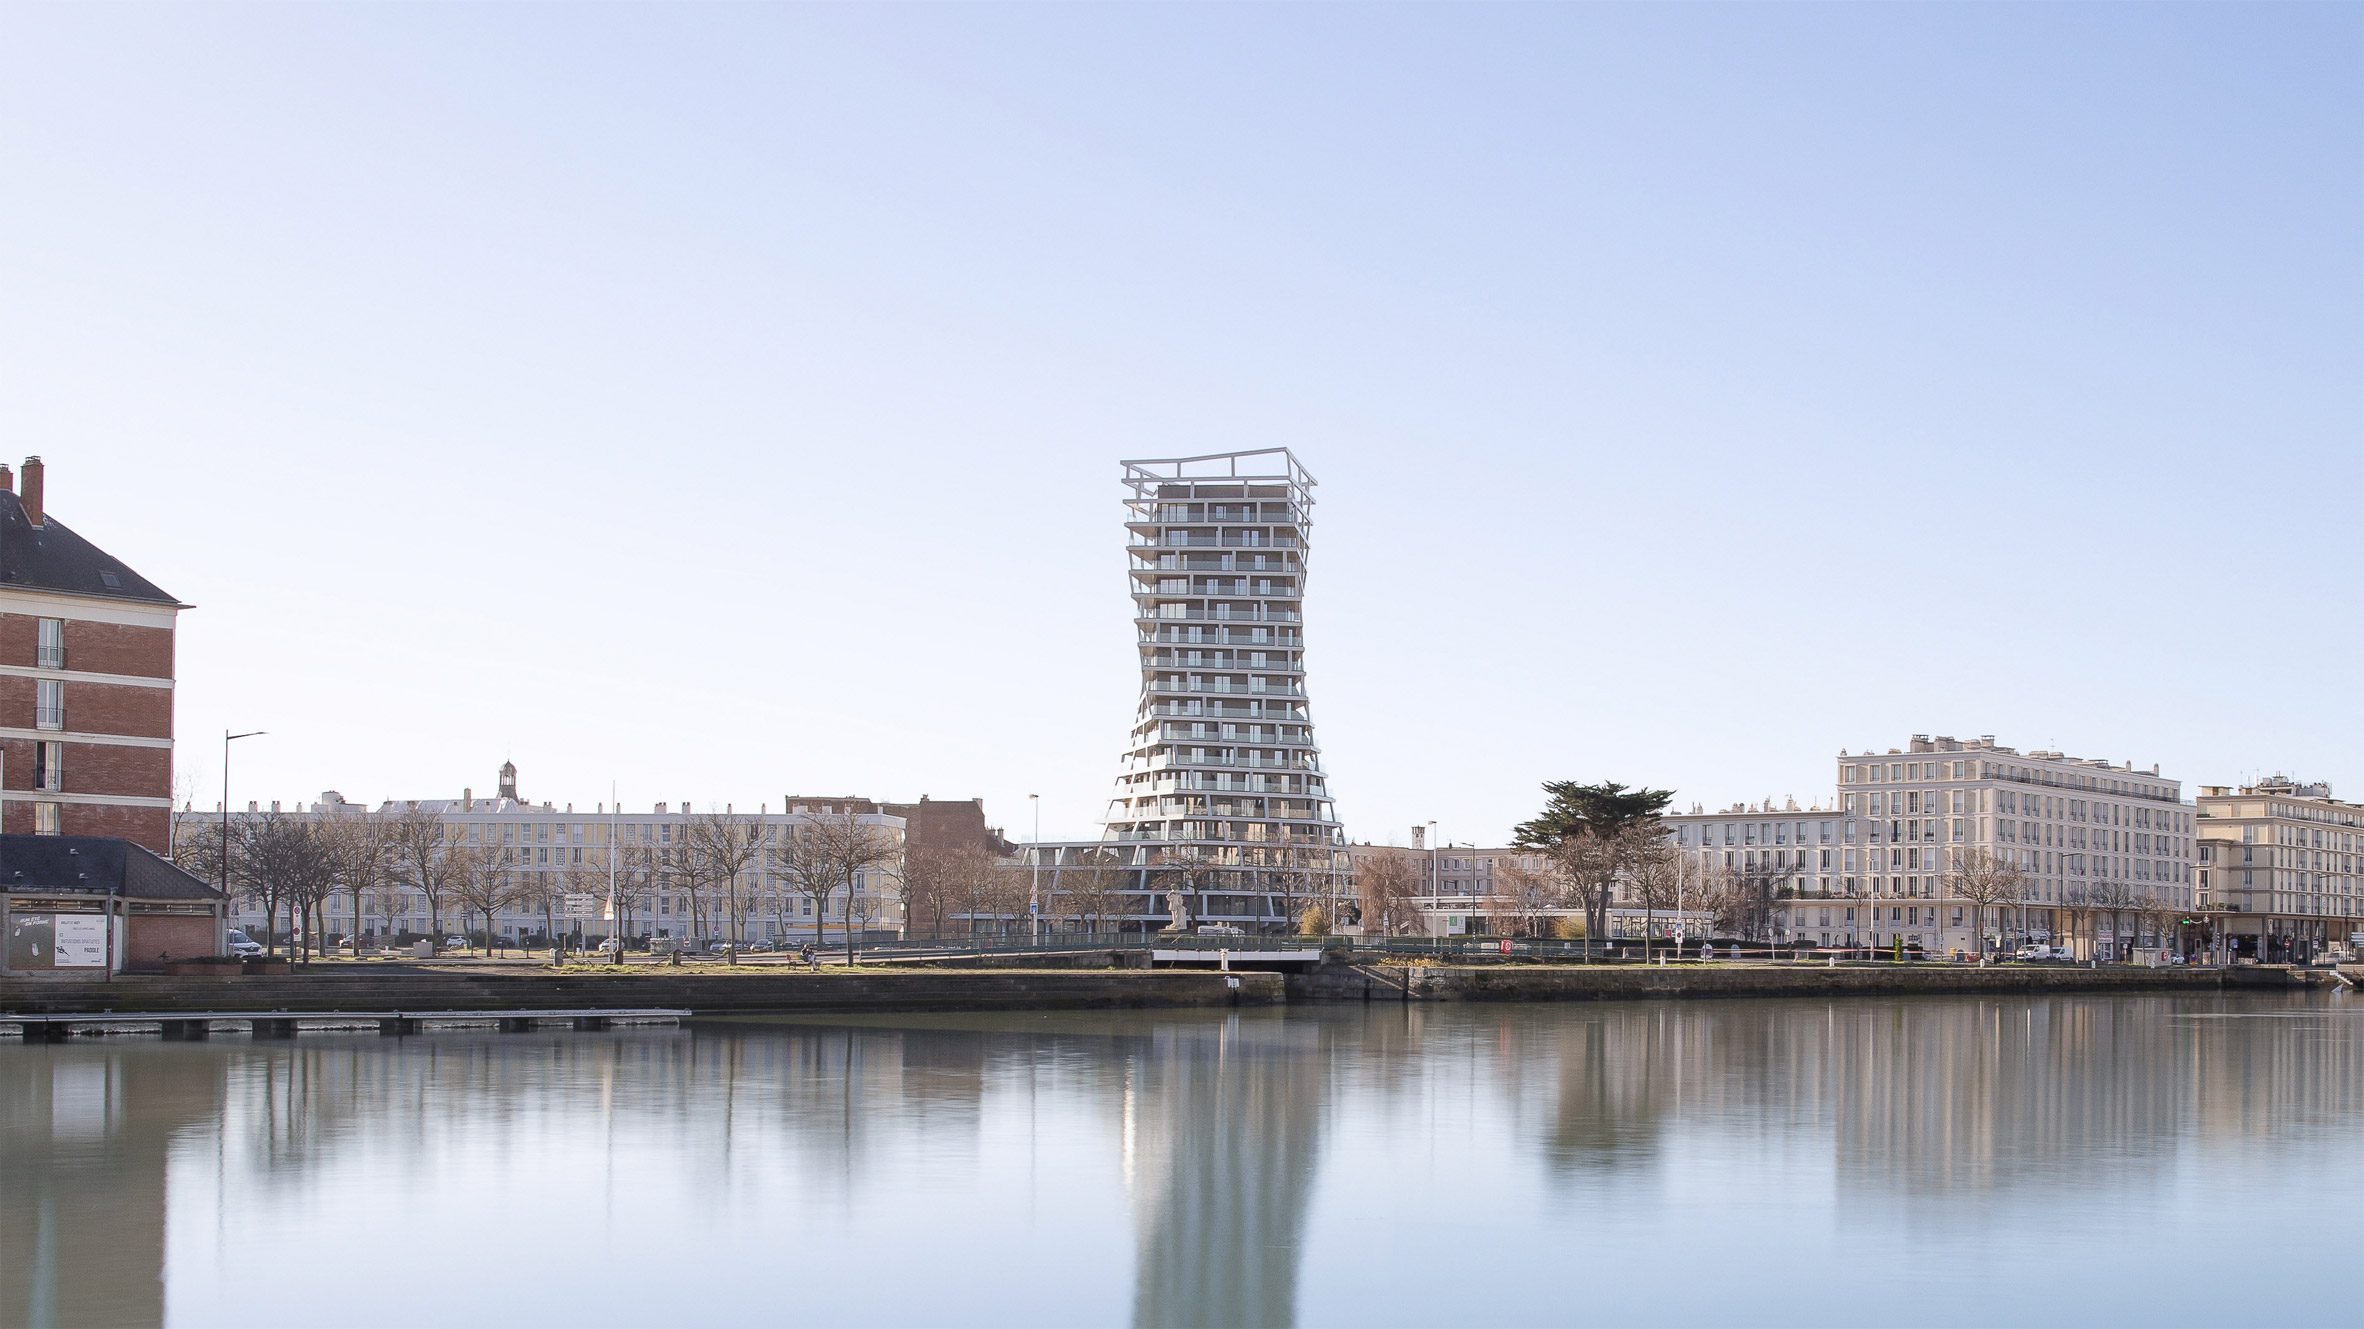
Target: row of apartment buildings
558,861
2114,859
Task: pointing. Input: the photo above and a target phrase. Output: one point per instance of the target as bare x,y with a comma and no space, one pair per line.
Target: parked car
610,946
2031,951
455,943
241,945
759,948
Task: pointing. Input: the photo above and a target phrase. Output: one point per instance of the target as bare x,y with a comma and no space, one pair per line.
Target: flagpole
615,914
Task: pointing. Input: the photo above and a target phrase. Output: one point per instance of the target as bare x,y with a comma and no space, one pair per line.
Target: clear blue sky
727,401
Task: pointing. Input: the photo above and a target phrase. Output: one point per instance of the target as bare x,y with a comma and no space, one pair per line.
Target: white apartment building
2281,870
1786,852
1222,768
565,853
2107,850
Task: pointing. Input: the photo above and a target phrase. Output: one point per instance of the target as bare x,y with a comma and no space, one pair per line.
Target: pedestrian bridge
1245,952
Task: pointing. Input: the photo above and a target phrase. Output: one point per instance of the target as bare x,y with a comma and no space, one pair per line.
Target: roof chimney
7,479
32,494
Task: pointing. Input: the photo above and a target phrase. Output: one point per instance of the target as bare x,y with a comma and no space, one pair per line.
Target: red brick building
86,680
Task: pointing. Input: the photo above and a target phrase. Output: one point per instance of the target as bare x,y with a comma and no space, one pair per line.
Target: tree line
290,866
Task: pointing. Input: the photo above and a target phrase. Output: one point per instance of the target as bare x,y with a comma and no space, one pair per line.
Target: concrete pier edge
1077,989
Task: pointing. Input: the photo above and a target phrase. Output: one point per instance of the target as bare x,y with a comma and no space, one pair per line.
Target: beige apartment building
560,854
2106,849
2280,877
1791,855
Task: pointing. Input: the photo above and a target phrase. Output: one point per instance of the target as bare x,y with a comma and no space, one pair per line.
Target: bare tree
312,865
851,847
637,880
1527,895
2116,899
266,865
924,882
2076,908
422,851
386,905
1008,885
2156,916
362,846
970,876
482,884
1986,881
1654,881
1388,886
1291,882
1091,888
1739,900
716,850
805,861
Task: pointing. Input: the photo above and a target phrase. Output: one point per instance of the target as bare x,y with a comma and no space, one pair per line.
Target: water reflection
1361,1165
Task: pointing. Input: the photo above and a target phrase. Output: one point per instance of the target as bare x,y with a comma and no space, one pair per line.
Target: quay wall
1631,982
735,994
429,989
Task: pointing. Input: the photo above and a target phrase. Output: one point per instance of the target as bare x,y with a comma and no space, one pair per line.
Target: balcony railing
49,717
1226,614
1227,690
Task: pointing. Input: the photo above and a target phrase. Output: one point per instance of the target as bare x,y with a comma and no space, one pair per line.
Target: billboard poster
32,940
81,941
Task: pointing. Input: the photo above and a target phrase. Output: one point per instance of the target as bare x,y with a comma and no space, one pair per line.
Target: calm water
2048,1160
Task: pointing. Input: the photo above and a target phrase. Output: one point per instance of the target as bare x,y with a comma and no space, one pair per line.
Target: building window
53,644
49,704
45,819
49,773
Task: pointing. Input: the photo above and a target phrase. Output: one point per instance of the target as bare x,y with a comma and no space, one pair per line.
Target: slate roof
50,557
93,865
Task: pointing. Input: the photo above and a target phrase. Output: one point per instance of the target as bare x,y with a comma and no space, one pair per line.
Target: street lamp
1034,886
227,739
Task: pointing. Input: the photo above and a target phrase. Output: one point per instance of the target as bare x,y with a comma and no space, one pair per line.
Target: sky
722,403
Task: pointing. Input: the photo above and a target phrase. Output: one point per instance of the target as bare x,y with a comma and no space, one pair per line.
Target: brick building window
49,773
49,704
45,819
53,644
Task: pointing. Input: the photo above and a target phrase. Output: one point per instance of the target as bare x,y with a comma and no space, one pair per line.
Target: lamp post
1034,885
1432,884
227,739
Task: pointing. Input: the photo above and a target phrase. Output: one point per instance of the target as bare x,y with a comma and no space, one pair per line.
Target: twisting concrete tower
1222,795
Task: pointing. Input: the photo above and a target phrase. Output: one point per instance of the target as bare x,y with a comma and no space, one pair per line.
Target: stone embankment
1630,982
327,990
733,994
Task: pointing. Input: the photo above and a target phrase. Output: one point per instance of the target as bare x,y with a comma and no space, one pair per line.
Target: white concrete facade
2106,849
1222,768
566,851
2280,875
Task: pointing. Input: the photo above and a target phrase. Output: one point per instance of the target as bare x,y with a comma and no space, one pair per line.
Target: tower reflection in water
1222,1127
1256,1168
